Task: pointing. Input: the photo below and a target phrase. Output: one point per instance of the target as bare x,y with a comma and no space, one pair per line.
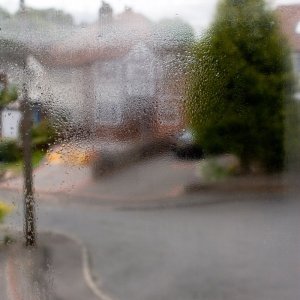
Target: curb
242,184
13,293
86,268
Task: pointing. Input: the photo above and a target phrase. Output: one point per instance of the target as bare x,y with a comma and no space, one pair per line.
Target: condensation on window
149,150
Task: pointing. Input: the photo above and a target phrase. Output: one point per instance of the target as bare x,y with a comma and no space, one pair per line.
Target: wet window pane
149,150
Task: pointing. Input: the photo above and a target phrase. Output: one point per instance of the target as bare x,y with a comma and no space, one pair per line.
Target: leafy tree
7,95
4,14
51,16
43,135
240,80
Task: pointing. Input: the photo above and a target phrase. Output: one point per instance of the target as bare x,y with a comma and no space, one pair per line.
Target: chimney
105,13
22,5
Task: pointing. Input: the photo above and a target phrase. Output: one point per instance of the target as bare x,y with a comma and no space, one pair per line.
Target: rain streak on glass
149,150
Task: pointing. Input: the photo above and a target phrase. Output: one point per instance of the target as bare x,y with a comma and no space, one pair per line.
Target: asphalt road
237,246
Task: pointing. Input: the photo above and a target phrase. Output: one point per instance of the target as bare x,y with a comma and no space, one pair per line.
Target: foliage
15,168
50,15
43,134
4,14
211,171
8,95
5,209
37,157
10,150
241,78
214,169
292,141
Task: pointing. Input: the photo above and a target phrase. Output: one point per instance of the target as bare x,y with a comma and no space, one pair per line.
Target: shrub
5,209
10,151
43,134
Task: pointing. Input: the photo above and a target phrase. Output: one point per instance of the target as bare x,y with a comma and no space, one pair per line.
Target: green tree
7,95
241,77
50,16
4,14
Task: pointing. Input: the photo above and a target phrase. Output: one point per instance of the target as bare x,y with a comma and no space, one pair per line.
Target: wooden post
29,203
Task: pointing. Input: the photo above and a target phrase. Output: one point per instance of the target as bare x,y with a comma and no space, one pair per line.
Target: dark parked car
184,145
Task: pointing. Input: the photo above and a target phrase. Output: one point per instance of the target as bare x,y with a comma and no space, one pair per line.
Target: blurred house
122,76
289,17
10,114
21,36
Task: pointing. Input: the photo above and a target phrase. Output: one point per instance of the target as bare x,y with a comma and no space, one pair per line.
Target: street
241,246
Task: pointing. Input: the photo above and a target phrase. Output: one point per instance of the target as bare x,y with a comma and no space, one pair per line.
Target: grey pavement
3,284
53,271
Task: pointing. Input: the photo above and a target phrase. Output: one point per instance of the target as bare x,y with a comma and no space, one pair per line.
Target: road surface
236,246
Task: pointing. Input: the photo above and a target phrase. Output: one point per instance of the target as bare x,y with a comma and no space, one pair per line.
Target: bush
216,169
5,209
10,151
43,134
7,96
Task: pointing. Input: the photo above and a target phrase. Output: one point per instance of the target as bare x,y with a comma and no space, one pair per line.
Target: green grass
17,166
37,157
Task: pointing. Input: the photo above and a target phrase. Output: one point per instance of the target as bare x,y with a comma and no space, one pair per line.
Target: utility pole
29,202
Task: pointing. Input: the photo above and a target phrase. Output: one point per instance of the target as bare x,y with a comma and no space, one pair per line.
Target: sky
198,13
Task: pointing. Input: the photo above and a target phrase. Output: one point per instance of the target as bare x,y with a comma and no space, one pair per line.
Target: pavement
57,269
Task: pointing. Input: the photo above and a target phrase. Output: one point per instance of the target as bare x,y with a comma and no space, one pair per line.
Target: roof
289,17
104,41
55,45
23,35
31,31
